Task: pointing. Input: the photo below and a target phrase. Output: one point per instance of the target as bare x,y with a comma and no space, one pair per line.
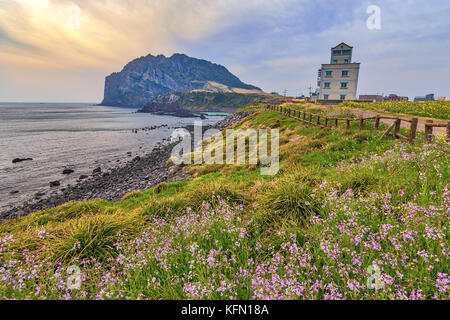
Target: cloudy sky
58,50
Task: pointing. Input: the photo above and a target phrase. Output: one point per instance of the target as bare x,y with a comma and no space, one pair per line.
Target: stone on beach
97,170
18,160
68,171
55,183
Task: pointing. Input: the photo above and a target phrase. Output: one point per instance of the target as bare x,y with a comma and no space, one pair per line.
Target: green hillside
220,100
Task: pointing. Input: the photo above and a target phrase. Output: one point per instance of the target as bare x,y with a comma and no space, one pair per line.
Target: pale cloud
291,62
107,31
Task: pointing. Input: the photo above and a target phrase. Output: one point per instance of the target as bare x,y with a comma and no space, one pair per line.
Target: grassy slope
231,233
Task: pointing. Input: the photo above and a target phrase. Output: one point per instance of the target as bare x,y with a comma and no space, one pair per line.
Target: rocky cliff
168,106
145,78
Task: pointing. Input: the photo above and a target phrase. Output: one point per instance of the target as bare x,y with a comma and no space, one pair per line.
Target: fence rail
333,122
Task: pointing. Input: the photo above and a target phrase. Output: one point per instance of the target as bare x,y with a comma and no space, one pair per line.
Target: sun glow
72,34
50,34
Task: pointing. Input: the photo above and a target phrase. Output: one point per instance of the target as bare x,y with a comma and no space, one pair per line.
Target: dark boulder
68,171
17,160
55,184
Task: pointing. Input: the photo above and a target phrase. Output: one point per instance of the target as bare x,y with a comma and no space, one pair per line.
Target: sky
61,51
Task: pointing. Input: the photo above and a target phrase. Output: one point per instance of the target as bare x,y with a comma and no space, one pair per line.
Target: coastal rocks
138,175
169,106
149,129
55,184
18,160
14,192
68,171
83,176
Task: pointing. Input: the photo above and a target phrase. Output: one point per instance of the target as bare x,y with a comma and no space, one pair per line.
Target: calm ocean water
78,136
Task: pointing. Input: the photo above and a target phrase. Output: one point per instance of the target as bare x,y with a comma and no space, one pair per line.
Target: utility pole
285,92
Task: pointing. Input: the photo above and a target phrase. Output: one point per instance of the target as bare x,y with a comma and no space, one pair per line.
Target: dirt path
404,124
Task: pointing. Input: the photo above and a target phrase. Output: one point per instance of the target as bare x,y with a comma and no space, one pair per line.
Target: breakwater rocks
138,174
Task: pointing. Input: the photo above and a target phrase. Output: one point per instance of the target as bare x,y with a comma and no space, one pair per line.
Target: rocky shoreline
141,173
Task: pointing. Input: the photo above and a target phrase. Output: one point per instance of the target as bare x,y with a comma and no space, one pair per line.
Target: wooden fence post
388,130
348,124
377,122
310,117
428,131
304,116
318,120
326,121
398,123
361,124
412,132
336,122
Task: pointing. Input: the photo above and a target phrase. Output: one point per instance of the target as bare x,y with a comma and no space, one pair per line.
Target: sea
78,136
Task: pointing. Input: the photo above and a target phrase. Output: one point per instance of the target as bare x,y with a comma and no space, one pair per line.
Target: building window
344,74
334,61
343,85
342,96
329,74
325,97
346,61
326,85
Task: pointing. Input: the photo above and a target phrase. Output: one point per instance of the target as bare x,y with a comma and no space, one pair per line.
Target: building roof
342,44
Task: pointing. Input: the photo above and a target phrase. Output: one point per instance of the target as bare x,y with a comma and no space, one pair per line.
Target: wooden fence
333,122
